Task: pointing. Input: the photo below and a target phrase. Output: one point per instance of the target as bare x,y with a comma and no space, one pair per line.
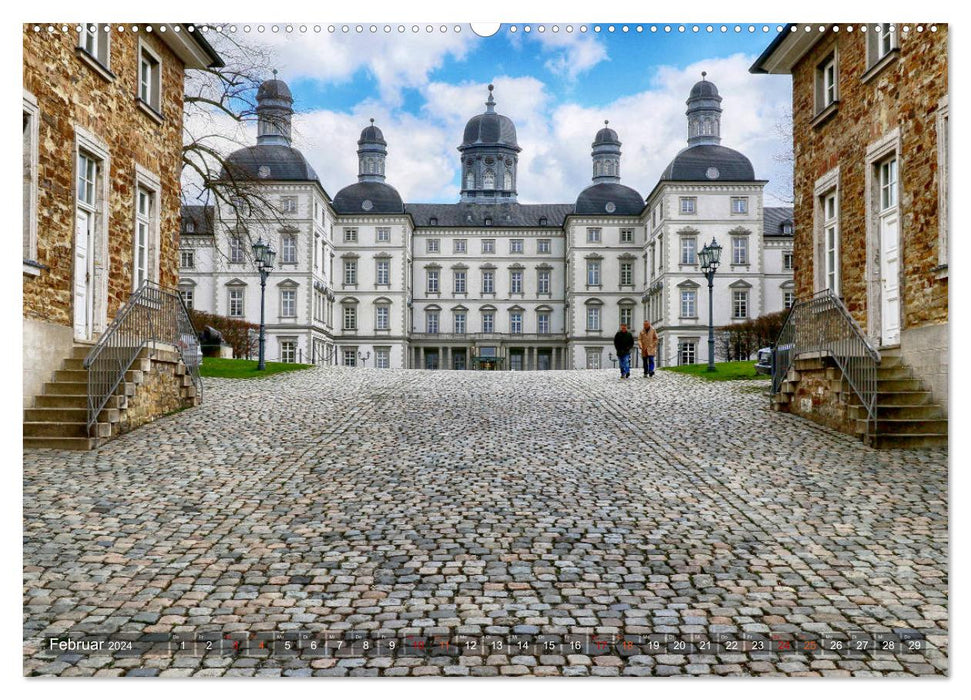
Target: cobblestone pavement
537,506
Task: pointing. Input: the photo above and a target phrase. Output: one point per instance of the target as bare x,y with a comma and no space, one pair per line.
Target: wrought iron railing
822,324
152,315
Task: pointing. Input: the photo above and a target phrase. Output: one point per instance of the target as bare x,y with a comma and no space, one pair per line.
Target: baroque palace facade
365,278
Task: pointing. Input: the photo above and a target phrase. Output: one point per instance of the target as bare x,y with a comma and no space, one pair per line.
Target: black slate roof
280,163
503,215
692,165
201,215
773,218
368,198
490,128
597,199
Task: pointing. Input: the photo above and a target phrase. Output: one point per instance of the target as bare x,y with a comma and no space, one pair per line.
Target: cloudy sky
558,88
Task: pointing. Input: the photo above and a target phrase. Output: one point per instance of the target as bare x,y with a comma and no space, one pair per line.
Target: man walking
648,340
623,344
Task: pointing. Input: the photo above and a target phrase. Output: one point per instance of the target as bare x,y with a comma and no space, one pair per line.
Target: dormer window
433,221
190,227
787,228
543,221
488,221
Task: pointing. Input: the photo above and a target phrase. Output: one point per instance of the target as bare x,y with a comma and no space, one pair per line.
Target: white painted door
890,279
82,277
889,223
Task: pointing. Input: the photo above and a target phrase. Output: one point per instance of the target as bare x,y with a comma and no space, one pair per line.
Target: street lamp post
264,255
364,357
613,360
710,256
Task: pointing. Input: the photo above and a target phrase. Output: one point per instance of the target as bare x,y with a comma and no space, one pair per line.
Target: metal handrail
152,315
822,324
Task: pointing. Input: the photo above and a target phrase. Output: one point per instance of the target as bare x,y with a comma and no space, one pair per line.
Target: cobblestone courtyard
541,504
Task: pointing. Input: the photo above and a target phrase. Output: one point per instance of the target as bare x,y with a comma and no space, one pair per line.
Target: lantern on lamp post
265,256
710,257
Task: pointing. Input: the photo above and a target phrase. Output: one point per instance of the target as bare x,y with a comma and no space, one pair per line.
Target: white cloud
572,53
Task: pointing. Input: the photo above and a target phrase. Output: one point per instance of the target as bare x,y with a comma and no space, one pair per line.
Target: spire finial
491,102
606,122
703,74
372,120
274,73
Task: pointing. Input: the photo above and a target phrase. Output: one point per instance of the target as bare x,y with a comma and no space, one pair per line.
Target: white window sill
824,114
32,268
148,109
878,67
95,64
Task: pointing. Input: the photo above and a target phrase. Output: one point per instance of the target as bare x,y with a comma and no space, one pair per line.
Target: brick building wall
905,95
72,94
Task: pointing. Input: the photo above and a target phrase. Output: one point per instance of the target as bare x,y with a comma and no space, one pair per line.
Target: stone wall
164,388
906,94
45,346
926,350
821,395
71,94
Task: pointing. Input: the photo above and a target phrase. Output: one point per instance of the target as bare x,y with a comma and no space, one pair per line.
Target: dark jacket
623,342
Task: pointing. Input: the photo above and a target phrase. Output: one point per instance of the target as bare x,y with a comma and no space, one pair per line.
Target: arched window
489,180
470,180
507,182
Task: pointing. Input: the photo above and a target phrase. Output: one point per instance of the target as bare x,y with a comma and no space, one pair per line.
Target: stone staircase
906,415
59,416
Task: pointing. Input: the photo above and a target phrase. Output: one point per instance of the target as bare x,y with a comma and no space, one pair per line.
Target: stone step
71,401
925,411
898,372
66,388
891,360
81,375
68,415
908,426
909,441
895,385
60,443
908,398
33,429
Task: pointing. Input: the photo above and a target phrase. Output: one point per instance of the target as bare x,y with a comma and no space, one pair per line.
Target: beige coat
648,341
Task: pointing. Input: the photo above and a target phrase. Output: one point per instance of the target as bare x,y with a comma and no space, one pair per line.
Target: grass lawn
724,371
243,369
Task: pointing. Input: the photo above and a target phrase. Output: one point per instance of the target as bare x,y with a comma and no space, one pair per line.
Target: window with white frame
739,250
687,352
689,250
288,351
543,246
350,317
627,235
626,273
458,321
237,253
787,261
350,357
627,316
350,235
543,325
288,303
593,318
187,258
788,299
431,321
516,246
30,135
943,182
739,303
382,272
459,281
188,296
382,358
543,281
488,245
288,205
881,41
383,234
236,302
459,245
488,322
739,205
594,358
95,42
488,282
888,183
689,303
149,79
382,317
593,273
593,235
288,248
826,83
432,245
689,205
350,272
145,222
431,278
516,282
831,243
515,321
